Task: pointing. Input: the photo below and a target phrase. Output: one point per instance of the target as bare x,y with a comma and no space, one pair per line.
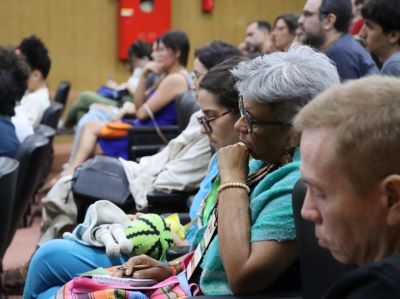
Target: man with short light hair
381,33
324,25
350,148
258,39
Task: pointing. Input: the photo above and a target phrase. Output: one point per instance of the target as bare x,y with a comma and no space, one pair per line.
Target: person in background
209,56
357,22
258,39
351,166
37,98
324,25
284,30
158,100
381,33
104,109
14,73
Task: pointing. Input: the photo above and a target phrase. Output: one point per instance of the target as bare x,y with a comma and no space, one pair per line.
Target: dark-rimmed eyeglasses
205,121
251,121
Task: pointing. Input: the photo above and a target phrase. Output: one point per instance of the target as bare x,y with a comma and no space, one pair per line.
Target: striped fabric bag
86,288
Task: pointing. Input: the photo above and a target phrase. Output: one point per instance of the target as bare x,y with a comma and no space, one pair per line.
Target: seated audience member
258,39
219,99
284,30
159,100
37,99
350,163
14,73
324,25
180,166
254,221
357,22
101,108
381,33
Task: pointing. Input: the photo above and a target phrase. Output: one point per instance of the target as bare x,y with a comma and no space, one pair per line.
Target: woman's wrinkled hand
233,163
153,269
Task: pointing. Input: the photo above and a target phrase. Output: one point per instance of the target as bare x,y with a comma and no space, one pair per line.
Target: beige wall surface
81,35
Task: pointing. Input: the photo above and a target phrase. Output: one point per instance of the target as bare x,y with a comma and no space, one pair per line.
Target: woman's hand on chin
233,163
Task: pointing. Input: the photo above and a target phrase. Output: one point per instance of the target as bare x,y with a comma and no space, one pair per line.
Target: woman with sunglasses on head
255,235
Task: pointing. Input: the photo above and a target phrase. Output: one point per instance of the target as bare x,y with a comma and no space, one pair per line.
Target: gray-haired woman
255,241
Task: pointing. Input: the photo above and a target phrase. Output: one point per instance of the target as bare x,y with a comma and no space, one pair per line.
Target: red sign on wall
142,19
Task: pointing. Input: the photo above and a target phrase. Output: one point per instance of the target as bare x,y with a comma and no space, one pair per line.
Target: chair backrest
52,115
319,270
62,92
32,154
186,105
8,183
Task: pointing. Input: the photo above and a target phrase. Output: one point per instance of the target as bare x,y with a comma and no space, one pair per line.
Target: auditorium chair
52,115
31,155
8,183
62,93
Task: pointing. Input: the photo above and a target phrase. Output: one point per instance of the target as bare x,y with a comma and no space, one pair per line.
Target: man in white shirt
36,99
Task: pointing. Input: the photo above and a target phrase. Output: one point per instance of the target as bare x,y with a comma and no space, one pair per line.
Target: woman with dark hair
219,102
210,55
159,100
284,31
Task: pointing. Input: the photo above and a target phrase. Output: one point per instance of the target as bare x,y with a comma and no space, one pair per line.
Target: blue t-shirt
205,188
351,59
9,143
391,67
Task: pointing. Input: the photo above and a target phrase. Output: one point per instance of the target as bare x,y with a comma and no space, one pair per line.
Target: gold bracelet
233,185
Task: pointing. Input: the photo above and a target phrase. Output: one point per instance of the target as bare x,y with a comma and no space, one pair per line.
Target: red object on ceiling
146,20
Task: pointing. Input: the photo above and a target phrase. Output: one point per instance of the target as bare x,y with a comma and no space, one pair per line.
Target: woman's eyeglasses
205,122
251,121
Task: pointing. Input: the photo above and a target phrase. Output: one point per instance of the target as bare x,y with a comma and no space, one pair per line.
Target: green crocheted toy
149,235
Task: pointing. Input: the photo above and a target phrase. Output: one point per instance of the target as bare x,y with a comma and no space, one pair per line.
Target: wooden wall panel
82,34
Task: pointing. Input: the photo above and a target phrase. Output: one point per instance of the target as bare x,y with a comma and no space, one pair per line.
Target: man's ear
390,188
328,23
37,74
394,37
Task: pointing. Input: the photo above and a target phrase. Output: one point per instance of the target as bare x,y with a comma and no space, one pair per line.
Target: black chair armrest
130,116
176,251
164,202
140,136
137,151
46,131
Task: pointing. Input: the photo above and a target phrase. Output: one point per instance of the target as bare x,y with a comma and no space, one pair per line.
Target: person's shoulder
378,280
177,77
392,65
